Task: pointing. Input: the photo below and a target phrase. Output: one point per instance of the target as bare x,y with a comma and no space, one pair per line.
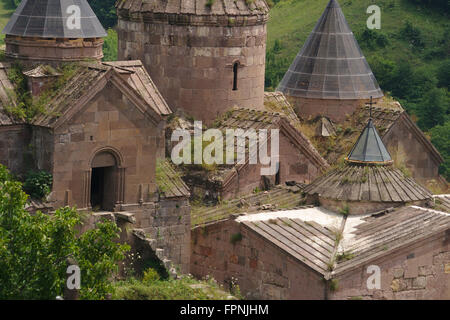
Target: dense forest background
409,55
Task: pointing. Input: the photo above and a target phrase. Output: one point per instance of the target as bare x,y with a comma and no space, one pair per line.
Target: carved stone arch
105,180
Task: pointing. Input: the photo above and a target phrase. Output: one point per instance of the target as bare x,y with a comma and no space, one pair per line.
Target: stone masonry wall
168,222
407,150
14,151
421,271
109,121
336,110
262,271
294,166
192,66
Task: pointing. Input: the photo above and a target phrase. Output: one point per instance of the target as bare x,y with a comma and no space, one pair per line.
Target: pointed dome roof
48,19
369,148
331,64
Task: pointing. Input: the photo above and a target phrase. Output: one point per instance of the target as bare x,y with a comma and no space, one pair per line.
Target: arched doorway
104,181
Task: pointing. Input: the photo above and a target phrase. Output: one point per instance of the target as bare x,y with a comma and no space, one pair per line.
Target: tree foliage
105,11
440,137
34,249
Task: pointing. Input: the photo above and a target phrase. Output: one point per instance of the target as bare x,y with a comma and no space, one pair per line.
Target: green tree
34,249
105,11
432,109
440,137
110,46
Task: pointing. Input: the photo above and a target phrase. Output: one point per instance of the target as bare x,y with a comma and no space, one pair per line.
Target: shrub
38,184
150,275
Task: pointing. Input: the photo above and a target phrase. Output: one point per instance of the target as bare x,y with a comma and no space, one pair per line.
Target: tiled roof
442,202
90,75
140,80
277,198
169,181
254,119
75,88
277,102
354,182
308,242
331,64
331,243
372,235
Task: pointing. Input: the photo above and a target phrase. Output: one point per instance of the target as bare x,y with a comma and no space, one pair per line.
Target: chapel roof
332,244
81,85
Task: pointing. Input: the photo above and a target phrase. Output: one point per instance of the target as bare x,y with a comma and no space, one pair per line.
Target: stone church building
101,129
101,132
331,78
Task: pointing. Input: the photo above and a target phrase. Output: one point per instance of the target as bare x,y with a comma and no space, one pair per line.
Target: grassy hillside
291,21
6,10
409,55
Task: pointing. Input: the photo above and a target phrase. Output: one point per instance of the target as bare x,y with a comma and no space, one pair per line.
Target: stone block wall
336,110
14,148
261,269
407,149
168,222
108,122
192,66
48,50
419,271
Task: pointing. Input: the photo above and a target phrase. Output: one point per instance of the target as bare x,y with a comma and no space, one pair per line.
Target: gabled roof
90,78
279,197
332,244
254,119
369,148
51,19
331,64
138,78
169,182
372,236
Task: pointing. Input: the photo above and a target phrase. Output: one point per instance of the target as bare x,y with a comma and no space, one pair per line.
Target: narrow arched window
235,75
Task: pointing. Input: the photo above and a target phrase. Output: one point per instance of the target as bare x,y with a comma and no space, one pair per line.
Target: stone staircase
143,235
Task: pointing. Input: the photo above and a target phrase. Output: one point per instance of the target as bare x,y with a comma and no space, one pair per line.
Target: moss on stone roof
169,182
281,197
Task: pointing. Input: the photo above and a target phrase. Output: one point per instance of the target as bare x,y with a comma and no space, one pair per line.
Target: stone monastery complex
352,186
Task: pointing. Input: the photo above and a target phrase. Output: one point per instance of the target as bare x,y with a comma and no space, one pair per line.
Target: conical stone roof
49,19
331,64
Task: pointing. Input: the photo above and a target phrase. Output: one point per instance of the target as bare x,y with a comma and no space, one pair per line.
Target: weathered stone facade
31,50
166,226
336,110
261,270
419,271
288,257
203,62
410,147
106,125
